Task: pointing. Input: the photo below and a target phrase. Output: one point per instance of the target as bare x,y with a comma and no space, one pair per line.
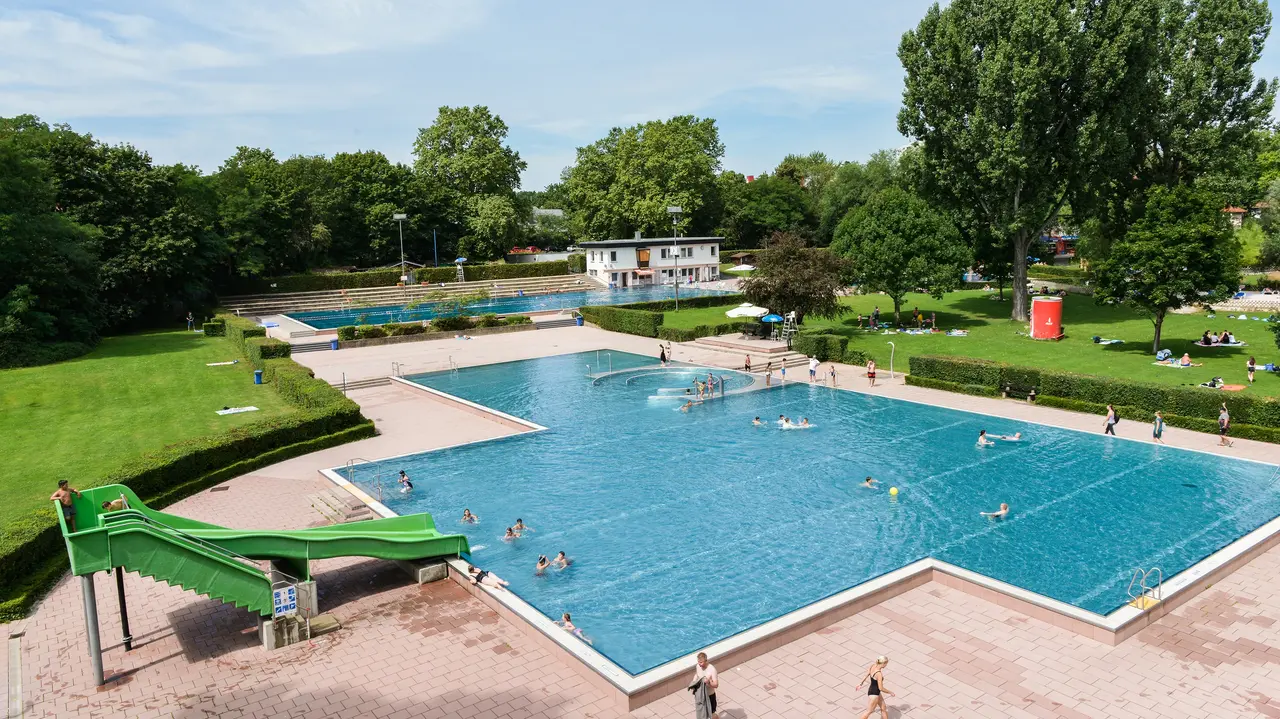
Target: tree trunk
1159,322
1021,302
897,312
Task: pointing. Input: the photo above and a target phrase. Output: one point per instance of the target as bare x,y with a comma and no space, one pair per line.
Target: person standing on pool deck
875,692
1157,429
1224,424
1111,421
768,374
746,366
63,498
813,369
705,671
871,372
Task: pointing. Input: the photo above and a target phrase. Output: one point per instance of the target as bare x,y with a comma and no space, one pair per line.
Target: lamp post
400,217
675,249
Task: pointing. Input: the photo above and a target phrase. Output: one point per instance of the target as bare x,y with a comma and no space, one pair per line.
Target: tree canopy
1180,252
896,243
791,277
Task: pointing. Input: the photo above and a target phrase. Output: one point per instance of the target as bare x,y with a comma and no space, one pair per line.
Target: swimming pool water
330,319
686,528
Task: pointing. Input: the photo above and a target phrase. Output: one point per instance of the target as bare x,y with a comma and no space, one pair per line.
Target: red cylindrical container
1046,318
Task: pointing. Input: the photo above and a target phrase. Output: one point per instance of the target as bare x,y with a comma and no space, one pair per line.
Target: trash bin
579,319
333,343
257,376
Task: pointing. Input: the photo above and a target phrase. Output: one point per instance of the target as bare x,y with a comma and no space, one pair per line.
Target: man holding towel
705,682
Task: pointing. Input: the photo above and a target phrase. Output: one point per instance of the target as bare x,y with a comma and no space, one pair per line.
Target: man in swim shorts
63,498
706,672
998,514
813,369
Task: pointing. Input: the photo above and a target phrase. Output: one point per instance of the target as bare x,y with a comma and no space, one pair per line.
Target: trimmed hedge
577,263
389,278
517,320
488,320
1145,398
371,331
216,327
478,273
677,334
856,357
261,349
348,332
32,354
1136,414
238,329
1054,272
974,389
450,324
822,345
621,319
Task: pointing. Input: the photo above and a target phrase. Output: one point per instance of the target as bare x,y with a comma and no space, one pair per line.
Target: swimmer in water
757,422
687,405
983,441
869,483
405,484
520,526
804,422
468,517
543,563
998,514
1015,437
561,561
510,535
567,623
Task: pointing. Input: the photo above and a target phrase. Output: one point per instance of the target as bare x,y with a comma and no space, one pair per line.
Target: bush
856,357
488,320
31,354
239,329
577,263
261,349
405,329
1144,398
621,319
974,389
215,329
687,303
452,324
1057,273
517,320
347,333
477,273
313,283
369,332
822,345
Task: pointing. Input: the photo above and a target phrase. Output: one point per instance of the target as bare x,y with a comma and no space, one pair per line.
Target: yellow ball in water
893,491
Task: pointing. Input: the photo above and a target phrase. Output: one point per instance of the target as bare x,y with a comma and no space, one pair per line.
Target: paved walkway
433,651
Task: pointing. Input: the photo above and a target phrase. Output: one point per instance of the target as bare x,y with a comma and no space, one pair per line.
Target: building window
686,252
613,276
613,256
665,253
713,250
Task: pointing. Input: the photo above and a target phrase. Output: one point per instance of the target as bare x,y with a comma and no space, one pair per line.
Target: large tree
465,150
896,243
1180,252
851,185
763,207
792,277
625,182
1019,105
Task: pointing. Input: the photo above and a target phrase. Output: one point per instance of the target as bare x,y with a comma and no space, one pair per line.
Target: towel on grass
1108,342
237,410
221,364
957,333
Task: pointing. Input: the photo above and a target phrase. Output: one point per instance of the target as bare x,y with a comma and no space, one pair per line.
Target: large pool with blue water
330,319
688,527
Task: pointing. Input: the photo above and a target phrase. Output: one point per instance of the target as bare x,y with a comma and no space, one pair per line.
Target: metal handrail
1141,577
217,548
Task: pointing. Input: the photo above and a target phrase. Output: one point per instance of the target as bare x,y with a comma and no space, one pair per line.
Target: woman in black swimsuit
875,700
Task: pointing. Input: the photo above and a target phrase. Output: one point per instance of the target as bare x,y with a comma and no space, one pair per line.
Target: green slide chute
223,563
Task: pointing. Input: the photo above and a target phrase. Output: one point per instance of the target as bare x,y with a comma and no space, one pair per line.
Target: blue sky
189,80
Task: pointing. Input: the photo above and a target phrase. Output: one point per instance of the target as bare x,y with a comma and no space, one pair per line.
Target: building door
624,278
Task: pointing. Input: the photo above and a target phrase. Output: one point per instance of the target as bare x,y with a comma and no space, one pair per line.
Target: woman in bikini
875,692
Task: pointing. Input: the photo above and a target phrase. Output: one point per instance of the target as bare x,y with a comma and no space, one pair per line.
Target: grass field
993,336
80,419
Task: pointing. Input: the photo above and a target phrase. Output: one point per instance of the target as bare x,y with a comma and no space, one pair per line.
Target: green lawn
80,419
993,336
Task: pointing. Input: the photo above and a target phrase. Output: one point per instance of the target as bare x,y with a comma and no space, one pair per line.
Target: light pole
675,249
400,217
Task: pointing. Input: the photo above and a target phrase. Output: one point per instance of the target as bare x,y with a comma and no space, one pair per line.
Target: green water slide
223,563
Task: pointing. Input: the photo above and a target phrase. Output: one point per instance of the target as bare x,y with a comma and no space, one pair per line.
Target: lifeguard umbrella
771,318
460,260
746,309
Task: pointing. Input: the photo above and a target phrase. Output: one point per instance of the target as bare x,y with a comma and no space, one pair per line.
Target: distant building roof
547,212
648,241
1234,210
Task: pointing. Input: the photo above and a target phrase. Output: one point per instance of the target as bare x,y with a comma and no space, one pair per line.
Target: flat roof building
653,260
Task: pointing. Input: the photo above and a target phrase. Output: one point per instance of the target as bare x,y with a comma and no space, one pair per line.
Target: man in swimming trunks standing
706,672
63,498
813,370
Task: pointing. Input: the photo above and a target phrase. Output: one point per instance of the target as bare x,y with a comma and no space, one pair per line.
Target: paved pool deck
435,651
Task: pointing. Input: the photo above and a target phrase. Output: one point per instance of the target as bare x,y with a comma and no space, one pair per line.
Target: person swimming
685,407
520,526
998,514
983,441
561,561
542,565
869,483
510,535
756,422
1015,437
469,518
804,422
567,622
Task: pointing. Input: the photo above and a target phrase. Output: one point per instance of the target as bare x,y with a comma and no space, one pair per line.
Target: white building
653,260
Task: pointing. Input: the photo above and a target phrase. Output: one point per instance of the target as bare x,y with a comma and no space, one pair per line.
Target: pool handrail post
892,348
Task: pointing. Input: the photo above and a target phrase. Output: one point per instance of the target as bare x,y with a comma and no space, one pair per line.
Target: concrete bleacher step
311,347
340,509
556,321
350,385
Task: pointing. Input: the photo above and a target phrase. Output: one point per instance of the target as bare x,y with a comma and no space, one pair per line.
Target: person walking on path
746,365
1157,429
1224,424
871,372
705,677
1111,421
877,690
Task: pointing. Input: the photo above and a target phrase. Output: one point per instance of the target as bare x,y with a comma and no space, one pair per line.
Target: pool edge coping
635,691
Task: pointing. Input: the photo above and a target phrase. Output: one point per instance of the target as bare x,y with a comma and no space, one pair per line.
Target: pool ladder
397,369
453,366
1146,588
349,469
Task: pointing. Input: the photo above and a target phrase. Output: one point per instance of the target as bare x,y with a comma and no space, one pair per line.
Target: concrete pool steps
310,346
555,321
354,384
787,358
258,305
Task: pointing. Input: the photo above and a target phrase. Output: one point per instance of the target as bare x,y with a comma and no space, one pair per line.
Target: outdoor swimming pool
689,528
330,319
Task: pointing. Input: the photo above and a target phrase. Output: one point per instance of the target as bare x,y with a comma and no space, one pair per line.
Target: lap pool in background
331,319
688,528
